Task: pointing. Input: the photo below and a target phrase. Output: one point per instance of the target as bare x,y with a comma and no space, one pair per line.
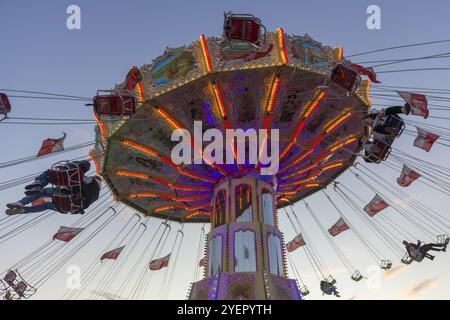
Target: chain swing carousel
249,79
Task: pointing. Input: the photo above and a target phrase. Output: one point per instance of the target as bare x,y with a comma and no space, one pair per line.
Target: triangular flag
67,233
52,145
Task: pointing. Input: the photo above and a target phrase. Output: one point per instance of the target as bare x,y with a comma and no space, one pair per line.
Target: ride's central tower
245,251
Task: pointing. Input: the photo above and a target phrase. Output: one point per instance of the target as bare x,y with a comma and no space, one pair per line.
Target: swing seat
242,27
132,78
407,259
67,203
382,151
396,123
386,264
114,104
346,78
443,239
304,291
332,281
356,276
5,105
10,278
66,174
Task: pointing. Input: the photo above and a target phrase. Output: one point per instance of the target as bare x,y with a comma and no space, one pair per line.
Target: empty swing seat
345,77
20,289
242,27
386,264
356,276
10,278
66,175
115,104
382,151
5,105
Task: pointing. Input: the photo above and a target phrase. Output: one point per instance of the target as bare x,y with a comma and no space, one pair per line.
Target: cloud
421,286
394,271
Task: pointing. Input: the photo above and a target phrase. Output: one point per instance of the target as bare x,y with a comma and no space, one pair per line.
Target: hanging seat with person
71,192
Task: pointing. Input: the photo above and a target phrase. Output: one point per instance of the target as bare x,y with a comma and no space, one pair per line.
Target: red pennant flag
365,71
160,263
407,176
112,254
295,243
375,205
133,77
203,262
52,145
67,233
338,227
425,139
417,101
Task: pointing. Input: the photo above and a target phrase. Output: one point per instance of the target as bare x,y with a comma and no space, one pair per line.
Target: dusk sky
39,53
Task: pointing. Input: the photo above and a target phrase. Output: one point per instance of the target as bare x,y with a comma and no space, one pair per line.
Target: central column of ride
245,251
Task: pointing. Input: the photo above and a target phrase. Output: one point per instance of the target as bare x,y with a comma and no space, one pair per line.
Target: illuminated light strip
140,92
275,89
367,91
175,124
284,200
166,196
332,125
218,98
205,53
168,118
312,105
315,174
94,160
282,46
196,214
309,185
165,208
145,176
331,150
340,54
335,122
167,160
100,124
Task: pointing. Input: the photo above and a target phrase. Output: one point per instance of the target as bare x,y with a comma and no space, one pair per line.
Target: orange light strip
94,160
140,92
315,174
273,95
282,46
205,52
309,185
176,125
165,208
337,121
332,125
145,176
219,101
168,118
340,54
283,200
331,150
153,153
167,196
100,124
309,109
367,91
196,214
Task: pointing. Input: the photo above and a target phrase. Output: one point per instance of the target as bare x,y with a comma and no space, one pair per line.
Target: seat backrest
20,288
116,105
10,277
5,105
244,29
67,203
69,175
345,77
